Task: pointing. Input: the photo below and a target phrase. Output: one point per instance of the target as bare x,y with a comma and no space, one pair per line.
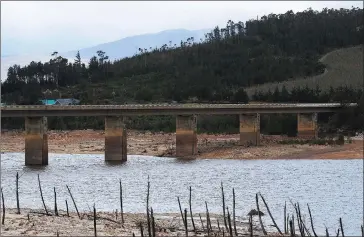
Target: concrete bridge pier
36,141
115,139
186,135
307,126
249,129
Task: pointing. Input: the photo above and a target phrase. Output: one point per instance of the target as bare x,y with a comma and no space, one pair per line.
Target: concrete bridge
36,145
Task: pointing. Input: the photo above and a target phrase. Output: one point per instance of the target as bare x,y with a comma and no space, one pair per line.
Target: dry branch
41,195
260,215
3,202
17,193
270,214
121,202
55,202
190,203
234,220
73,200
223,205
313,229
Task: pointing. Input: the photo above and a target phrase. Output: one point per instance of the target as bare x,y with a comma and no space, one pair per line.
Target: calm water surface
333,188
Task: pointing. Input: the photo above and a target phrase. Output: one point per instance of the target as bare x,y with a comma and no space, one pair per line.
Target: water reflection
110,163
33,168
185,161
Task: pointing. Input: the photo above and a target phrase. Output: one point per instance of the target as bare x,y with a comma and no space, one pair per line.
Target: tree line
215,69
350,120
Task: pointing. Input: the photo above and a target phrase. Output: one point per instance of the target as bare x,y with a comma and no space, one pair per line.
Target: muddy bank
29,223
221,146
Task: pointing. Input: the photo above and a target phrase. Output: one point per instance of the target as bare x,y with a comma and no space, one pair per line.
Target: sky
29,27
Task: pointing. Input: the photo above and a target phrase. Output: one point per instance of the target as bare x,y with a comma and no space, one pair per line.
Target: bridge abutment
249,129
186,135
115,139
307,126
36,141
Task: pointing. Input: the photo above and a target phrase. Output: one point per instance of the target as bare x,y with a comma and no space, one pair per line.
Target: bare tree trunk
73,200
180,209
270,214
2,200
121,203
55,202
148,217
185,223
95,221
313,229
68,214
341,227
285,220
260,216
236,233
223,206
17,193
41,195
190,202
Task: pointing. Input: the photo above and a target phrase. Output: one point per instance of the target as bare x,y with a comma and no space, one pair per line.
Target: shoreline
35,222
210,146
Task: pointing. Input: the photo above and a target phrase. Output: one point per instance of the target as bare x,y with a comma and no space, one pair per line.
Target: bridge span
36,144
165,109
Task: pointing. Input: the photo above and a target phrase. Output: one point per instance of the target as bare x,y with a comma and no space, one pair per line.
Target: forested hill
272,49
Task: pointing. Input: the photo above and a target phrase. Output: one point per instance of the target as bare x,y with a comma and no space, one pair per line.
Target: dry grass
344,67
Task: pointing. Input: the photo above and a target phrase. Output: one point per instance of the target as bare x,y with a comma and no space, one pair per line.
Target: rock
254,212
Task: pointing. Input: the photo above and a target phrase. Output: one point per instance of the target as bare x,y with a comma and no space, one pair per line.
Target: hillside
129,46
125,47
344,67
273,49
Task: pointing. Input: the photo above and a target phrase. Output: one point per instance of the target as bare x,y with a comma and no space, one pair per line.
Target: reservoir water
332,188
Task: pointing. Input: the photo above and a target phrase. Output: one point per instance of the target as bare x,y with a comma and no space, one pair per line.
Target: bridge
36,144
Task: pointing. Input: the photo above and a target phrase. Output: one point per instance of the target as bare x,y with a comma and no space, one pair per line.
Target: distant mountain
129,46
125,47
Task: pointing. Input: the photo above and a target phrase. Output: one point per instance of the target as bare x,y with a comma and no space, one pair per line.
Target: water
333,188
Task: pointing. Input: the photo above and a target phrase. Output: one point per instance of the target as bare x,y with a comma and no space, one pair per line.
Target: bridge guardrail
161,106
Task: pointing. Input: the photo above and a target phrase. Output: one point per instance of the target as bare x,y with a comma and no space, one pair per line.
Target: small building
70,101
48,102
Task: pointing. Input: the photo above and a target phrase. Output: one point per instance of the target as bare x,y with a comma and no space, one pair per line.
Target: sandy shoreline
31,222
221,146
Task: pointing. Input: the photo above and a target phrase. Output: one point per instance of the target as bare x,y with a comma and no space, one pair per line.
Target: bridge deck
166,109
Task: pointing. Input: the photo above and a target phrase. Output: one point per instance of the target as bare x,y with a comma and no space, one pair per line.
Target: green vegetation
217,69
344,67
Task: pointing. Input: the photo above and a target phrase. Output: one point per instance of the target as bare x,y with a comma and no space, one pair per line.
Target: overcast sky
40,26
